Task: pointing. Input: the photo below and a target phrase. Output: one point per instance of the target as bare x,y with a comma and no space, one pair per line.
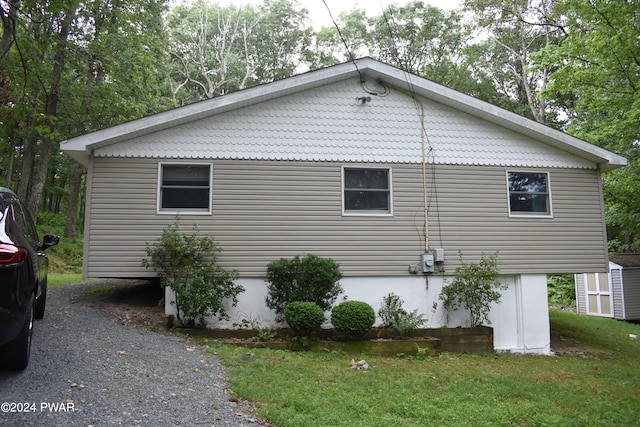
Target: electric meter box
428,263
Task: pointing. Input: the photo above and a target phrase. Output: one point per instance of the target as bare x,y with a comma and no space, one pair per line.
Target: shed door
599,295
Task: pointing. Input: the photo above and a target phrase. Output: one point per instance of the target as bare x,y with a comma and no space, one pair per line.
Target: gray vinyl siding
581,294
265,210
632,293
616,293
469,213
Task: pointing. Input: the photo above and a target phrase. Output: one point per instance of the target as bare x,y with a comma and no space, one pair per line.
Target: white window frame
519,214
375,213
188,211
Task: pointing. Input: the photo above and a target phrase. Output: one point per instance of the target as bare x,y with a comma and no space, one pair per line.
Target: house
385,172
614,294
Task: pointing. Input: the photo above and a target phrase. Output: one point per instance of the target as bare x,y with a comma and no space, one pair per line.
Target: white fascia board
81,147
614,266
605,159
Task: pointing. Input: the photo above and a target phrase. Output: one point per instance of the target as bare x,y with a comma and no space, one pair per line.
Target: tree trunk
9,19
74,198
51,110
28,157
9,174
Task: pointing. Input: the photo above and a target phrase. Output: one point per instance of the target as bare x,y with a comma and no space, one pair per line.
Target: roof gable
324,115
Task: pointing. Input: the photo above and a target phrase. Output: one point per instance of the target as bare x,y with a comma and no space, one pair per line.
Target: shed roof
370,72
625,260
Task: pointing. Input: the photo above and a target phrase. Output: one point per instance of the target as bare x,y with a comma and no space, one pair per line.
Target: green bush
187,264
353,318
474,287
309,279
391,306
404,323
303,317
393,315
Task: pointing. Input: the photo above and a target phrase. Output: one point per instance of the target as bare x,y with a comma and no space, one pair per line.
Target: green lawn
59,279
600,387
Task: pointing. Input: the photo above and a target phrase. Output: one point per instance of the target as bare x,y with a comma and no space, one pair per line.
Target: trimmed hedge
303,317
354,319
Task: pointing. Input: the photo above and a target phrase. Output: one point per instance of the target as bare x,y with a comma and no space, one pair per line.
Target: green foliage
187,264
394,315
391,305
353,318
217,49
310,279
404,323
69,67
596,73
66,256
562,290
474,287
248,322
303,317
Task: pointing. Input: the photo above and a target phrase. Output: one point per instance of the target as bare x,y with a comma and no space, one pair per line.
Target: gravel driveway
88,370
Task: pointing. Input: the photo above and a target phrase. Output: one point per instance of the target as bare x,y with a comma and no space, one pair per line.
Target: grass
599,387
60,279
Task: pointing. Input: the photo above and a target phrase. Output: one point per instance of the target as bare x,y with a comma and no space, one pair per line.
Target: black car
23,280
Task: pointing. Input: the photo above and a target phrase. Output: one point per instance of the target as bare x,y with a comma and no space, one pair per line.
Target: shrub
404,323
308,279
474,287
393,315
303,317
391,305
186,263
353,318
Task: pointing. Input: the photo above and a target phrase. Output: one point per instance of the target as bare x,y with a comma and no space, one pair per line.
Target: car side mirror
50,240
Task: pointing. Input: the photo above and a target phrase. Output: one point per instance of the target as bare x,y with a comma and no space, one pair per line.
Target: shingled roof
625,260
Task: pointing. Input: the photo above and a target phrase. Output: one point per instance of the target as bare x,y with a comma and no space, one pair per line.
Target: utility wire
426,146
353,60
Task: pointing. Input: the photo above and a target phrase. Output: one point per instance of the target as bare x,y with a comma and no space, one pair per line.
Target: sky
320,16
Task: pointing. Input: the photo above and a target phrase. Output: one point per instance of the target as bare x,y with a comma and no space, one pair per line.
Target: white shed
614,294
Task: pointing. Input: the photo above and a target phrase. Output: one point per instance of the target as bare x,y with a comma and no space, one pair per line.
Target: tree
330,46
516,30
69,67
420,39
597,72
280,40
208,50
219,49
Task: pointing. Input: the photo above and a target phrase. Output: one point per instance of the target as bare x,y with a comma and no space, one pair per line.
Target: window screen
185,188
367,190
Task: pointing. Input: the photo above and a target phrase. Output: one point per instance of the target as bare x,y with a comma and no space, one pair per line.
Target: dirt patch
136,303
561,345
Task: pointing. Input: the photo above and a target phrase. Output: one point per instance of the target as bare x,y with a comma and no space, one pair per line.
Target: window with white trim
366,191
184,188
529,193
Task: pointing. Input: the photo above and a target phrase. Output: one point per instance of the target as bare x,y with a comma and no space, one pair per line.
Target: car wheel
15,354
40,304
